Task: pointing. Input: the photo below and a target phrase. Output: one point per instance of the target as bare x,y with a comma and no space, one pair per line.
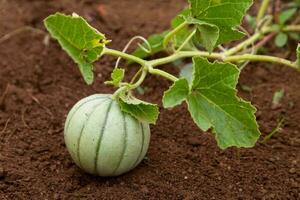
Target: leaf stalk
262,11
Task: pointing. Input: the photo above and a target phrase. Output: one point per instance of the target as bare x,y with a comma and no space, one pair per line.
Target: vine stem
149,65
263,58
220,56
184,54
128,87
227,56
171,34
163,73
124,55
251,40
262,11
186,40
146,67
244,44
291,28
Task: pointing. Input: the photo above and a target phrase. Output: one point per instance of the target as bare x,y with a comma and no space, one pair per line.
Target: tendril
149,50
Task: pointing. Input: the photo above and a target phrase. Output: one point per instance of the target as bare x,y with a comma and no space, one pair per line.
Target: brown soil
39,84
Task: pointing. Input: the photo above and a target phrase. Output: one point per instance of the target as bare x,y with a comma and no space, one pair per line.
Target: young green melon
102,140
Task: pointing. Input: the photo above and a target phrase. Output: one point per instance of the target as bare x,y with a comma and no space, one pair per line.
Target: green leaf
294,36
117,77
207,34
213,104
156,43
83,43
199,6
298,56
156,40
176,94
143,111
281,39
225,14
286,15
183,34
277,97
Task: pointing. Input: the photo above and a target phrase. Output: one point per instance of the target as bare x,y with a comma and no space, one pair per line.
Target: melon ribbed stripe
82,130
125,143
75,111
101,135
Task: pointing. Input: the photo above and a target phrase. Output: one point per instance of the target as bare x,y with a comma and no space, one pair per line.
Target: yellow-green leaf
83,43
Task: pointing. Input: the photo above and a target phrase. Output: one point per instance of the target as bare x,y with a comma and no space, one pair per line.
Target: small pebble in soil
292,170
144,189
194,141
20,152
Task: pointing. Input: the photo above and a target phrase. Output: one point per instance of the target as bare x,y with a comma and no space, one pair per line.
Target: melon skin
103,140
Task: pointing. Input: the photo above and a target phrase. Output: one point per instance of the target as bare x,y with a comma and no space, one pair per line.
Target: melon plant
108,134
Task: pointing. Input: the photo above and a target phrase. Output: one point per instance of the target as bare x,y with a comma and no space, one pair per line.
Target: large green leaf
213,104
176,94
83,43
199,6
143,111
225,14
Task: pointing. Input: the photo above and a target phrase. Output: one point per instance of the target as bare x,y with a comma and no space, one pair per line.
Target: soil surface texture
39,84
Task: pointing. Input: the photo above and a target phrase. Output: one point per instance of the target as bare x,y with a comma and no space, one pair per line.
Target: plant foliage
81,41
208,88
213,103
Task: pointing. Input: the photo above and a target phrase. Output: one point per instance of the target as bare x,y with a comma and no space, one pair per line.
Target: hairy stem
291,28
186,40
171,34
126,56
129,87
227,56
163,74
244,44
184,54
220,56
262,58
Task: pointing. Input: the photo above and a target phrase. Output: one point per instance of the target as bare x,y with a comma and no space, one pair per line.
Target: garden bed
39,84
